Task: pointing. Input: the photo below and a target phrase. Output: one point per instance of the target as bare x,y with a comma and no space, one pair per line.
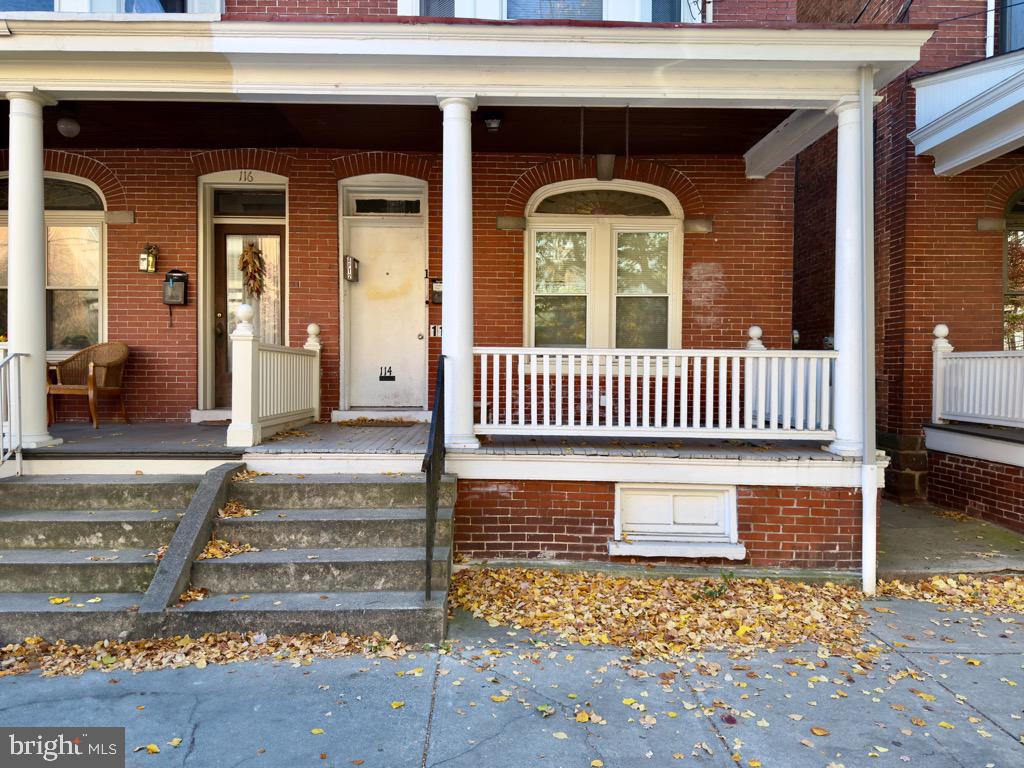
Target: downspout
990,29
869,461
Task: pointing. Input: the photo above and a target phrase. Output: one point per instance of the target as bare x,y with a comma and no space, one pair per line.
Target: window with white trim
111,6
603,270
75,258
659,11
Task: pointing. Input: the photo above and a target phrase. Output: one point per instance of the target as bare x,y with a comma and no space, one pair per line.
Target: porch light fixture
493,121
147,258
68,127
605,167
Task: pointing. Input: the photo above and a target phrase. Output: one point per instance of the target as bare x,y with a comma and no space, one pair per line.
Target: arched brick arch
629,169
1003,190
265,160
359,163
58,161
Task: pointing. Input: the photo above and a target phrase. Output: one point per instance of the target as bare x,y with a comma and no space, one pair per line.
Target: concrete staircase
340,552
90,538
336,552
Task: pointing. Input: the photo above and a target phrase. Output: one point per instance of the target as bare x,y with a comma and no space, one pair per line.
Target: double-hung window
604,270
75,231
660,11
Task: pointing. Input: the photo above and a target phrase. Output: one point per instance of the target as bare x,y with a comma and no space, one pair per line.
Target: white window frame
76,219
614,10
601,262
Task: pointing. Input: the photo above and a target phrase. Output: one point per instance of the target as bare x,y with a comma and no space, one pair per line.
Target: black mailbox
175,287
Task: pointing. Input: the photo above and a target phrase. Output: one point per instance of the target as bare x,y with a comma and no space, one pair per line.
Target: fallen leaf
820,731
560,735
397,704
316,731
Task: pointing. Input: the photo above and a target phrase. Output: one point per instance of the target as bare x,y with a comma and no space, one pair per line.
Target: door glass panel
267,315
641,280
560,289
1013,300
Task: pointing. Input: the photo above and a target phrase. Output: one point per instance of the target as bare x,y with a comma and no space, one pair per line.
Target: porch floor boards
181,440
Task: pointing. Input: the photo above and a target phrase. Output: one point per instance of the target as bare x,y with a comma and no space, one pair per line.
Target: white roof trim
369,62
979,125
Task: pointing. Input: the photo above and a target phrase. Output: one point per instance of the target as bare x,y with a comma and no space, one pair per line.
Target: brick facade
781,527
727,286
981,488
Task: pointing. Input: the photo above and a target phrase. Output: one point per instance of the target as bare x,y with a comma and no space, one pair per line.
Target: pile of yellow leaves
989,594
62,658
246,474
664,617
235,508
218,549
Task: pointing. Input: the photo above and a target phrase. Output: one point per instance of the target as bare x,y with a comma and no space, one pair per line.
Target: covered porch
786,88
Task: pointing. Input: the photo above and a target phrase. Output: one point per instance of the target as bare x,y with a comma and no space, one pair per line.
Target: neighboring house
591,217
950,178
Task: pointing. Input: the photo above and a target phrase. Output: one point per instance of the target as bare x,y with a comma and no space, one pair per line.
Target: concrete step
62,571
339,491
356,569
87,529
360,613
327,528
25,614
65,492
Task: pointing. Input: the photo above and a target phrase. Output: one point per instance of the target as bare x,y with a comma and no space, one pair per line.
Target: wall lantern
492,120
147,258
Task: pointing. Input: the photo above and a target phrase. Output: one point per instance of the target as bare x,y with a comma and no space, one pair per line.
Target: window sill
689,549
52,355
85,16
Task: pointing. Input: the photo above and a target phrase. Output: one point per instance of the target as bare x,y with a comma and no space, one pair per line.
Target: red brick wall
735,277
740,11
306,10
784,527
984,489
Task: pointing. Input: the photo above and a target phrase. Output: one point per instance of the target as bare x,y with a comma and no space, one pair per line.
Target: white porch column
457,271
26,271
849,308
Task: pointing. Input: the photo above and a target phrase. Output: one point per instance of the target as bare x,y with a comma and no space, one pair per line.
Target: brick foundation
784,527
984,489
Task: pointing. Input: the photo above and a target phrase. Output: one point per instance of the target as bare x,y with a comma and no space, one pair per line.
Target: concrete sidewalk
941,695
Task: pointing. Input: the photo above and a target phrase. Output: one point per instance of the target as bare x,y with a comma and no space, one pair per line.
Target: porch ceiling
193,125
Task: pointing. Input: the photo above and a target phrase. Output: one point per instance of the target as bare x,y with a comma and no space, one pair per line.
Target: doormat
367,422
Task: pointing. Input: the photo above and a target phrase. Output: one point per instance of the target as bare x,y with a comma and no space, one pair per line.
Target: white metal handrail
977,387
10,417
754,393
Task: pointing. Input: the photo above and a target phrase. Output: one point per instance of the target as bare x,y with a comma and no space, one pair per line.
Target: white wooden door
386,317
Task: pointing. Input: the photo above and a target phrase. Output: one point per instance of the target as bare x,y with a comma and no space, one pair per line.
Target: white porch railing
272,387
753,393
979,387
10,411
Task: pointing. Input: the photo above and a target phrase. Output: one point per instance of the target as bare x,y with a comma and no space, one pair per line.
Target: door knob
419,335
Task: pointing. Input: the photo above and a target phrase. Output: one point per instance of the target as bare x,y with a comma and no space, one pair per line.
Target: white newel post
244,430
26,277
849,309
313,344
755,333
457,271
940,348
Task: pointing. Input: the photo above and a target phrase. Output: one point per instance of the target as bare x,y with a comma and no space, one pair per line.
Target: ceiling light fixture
68,127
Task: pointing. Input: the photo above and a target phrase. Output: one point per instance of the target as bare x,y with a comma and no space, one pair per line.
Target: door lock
419,336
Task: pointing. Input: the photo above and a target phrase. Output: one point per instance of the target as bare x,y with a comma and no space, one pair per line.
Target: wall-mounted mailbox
436,290
175,287
351,269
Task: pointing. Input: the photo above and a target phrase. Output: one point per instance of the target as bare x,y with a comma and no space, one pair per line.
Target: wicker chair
95,371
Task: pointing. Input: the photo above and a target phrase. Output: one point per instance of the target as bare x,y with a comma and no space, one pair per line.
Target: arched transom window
604,267
74,263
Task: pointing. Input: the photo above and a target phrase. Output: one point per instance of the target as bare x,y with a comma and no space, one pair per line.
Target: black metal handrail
433,467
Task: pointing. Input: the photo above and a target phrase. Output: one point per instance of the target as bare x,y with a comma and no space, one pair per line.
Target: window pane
155,6
603,202
248,202
381,205
72,319
641,322
555,9
642,262
73,257
1015,261
667,10
60,194
26,5
560,321
439,8
267,315
1012,25
561,262
1013,323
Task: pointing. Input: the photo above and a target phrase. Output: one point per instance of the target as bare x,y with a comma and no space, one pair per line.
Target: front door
386,316
230,292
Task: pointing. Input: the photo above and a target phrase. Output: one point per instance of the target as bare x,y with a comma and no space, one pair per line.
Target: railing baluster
622,390
812,393
483,388
508,390
521,375
607,392
533,390
696,391
546,390
735,423
571,407
787,393
496,397
558,391
684,390
657,391
762,374
670,392
723,402
646,420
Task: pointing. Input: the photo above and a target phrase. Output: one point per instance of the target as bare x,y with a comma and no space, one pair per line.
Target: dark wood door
229,293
